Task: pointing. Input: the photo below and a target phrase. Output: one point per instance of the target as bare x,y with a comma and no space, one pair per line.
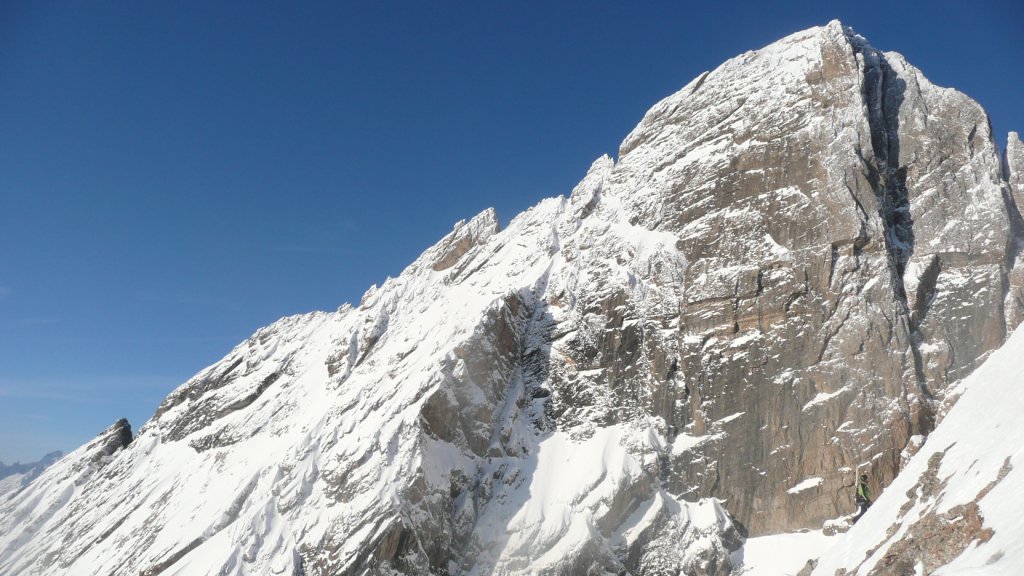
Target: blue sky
174,175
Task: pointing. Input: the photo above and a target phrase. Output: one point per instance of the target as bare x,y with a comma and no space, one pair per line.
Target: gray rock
846,240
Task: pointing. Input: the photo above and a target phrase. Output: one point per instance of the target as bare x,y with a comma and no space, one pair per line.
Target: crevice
1016,226
834,255
883,93
248,399
1015,243
830,335
925,293
700,82
1005,163
160,567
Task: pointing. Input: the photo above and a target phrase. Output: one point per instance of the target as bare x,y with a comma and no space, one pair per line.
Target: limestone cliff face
955,507
786,268
847,246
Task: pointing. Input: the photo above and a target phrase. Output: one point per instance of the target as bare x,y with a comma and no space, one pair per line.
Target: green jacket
863,491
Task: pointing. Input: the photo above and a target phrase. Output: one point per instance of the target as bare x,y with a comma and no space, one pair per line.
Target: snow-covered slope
958,506
14,477
410,430
713,332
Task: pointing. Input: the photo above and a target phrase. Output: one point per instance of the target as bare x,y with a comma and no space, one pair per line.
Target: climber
863,498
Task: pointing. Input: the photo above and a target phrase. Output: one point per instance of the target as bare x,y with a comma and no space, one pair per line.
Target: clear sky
174,175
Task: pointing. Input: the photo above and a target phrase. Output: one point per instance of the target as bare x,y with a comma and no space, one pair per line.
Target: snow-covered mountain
790,266
15,476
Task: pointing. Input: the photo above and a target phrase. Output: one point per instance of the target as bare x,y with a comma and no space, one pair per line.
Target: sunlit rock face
788,265
848,248
955,507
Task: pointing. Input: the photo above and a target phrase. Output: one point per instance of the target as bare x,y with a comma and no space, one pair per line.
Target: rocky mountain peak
772,290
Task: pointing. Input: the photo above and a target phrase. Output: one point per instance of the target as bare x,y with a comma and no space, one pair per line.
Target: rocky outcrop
38,513
465,236
936,538
789,264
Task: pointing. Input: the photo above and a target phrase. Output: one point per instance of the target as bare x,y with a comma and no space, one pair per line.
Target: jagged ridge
765,291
